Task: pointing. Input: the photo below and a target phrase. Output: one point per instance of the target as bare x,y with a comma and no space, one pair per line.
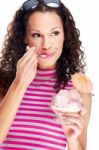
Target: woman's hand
26,67
73,124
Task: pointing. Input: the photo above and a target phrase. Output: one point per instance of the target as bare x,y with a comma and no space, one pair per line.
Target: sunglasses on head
32,4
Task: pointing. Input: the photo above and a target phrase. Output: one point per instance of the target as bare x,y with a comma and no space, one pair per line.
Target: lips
46,55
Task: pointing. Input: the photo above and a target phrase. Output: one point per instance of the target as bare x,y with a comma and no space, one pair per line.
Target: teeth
43,55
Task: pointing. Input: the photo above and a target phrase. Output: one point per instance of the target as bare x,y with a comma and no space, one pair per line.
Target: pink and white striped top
34,127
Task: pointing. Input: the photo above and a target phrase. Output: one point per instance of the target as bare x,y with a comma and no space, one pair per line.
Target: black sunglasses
32,4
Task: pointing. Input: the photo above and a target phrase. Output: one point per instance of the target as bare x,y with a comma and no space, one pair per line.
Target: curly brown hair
71,60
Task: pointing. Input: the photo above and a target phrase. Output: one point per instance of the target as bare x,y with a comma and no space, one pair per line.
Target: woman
40,54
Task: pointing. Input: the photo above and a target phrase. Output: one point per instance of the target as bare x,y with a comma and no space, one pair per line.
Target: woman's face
45,32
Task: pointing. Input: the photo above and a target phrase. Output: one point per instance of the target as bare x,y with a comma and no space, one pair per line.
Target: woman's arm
26,71
9,107
80,142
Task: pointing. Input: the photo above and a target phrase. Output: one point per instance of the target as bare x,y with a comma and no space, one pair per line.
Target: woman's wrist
19,85
74,144
73,141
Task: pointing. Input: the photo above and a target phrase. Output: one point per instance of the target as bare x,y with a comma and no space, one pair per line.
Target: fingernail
27,48
30,48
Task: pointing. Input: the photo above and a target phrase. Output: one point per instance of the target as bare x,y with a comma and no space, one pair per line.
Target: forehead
44,20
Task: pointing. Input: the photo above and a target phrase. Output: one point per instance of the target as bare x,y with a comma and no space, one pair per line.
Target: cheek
59,51
59,45
35,43
60,41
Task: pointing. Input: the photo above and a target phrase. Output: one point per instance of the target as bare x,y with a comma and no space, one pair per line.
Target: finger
74,120
33,49
75,129
76,114
56,111
28,48
31,63
27,56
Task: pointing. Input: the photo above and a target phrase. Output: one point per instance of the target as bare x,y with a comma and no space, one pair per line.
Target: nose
46,43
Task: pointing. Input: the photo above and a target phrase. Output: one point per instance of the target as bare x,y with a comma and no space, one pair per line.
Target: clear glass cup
66,102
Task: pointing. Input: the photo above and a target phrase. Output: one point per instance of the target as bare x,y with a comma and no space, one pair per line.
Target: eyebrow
51,29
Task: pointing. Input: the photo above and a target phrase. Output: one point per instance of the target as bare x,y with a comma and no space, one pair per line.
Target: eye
36,35
55,33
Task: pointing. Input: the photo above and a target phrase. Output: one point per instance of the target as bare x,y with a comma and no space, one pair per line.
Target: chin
46,66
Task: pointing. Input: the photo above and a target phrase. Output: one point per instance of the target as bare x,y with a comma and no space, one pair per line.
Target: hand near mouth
27,67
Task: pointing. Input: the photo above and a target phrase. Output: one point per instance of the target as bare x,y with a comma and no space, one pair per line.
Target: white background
85,13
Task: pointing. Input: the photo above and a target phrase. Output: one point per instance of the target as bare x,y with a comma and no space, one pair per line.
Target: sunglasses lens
30,4
52,5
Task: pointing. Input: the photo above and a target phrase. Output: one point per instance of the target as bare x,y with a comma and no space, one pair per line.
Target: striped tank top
34,126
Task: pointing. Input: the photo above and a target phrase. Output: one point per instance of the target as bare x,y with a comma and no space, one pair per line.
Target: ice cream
67,101
70,101
82,83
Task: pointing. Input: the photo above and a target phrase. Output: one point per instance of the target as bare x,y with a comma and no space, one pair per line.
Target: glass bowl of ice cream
66,101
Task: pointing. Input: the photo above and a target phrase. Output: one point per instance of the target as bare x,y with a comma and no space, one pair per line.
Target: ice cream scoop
82,83
67,101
